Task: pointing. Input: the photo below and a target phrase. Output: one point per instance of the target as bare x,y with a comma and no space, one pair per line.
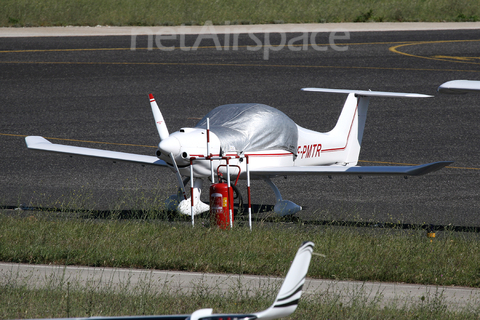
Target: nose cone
170,145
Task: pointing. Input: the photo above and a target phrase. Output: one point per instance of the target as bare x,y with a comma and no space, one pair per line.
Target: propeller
170,146
159,121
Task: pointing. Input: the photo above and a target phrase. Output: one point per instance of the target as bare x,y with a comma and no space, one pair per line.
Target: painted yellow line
226,48
464,168
391,163
394,49
456,58
138,145
13,135
234,65
414,164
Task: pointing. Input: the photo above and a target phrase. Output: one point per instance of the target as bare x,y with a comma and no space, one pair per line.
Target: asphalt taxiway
92,91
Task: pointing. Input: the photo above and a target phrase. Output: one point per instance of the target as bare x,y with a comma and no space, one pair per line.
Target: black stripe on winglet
288,304
295,292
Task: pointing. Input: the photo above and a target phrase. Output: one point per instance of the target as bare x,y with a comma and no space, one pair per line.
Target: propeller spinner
181,145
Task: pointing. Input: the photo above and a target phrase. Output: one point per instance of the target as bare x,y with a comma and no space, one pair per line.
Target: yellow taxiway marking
238,65
468,60
226,48
139,145
414,164
457,58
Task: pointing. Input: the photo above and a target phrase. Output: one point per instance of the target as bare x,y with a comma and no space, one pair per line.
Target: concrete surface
385,293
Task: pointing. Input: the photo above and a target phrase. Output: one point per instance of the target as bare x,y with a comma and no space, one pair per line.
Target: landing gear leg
184,207
282,207
178,203
171,203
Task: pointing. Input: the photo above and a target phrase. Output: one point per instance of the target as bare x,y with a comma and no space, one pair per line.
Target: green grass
352,253
59,298
154,242
175,12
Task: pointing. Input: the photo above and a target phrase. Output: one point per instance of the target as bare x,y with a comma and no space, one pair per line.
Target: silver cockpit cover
251,127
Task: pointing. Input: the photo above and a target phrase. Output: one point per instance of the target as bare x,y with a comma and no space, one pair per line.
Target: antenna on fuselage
209,155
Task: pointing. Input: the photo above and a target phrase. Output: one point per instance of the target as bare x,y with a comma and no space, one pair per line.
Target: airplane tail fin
290,292
351,123
350,127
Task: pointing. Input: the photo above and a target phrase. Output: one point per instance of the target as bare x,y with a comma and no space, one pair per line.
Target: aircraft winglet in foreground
284,305
259,140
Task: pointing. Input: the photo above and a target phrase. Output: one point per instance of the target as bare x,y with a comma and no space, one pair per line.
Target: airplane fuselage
313,149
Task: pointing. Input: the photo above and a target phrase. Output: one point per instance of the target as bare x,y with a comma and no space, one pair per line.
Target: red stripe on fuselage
252,155
270,154
348,136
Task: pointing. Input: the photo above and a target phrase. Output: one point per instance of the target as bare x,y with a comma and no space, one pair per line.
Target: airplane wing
356,170
40,143
370,93
285,303
459,86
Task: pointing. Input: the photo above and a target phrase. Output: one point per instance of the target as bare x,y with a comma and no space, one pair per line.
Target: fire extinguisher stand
210,157
228,193
191,191
249,200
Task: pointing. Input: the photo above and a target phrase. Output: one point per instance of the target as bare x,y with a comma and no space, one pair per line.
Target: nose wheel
184,206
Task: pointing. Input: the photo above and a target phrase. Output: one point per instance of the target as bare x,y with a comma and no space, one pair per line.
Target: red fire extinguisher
219,204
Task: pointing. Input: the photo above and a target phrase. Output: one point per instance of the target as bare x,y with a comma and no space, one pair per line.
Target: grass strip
27,13
70,299
352,253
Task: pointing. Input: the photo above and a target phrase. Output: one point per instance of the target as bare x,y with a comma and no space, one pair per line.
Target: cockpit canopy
251,127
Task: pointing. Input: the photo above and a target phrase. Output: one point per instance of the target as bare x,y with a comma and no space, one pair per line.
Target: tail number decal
310,151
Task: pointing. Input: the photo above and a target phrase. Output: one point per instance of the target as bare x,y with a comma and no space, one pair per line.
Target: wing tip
429,167
32,140
459,86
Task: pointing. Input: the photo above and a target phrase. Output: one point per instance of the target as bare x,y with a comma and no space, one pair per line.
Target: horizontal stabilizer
356,170
459,86
40,143
370,93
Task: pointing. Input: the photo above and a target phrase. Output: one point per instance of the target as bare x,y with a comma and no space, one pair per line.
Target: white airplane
258,140
284,305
